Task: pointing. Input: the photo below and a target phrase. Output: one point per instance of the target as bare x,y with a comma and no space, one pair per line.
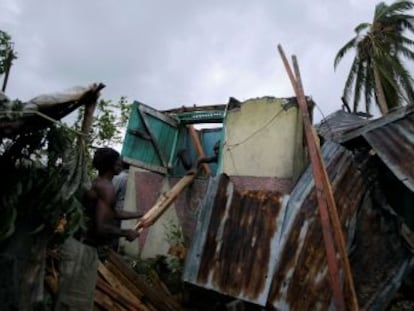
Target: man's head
107,160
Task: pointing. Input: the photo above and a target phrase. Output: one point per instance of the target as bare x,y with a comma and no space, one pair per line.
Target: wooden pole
317,170
333,212
164,201
198,147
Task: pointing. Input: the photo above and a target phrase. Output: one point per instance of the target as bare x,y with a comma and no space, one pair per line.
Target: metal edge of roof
374,124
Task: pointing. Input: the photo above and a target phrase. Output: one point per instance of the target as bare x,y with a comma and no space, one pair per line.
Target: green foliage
378,70
175,238
43,176
109,121
6,53
45,172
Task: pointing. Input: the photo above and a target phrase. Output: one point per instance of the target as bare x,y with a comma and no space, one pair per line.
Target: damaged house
247,209
251,220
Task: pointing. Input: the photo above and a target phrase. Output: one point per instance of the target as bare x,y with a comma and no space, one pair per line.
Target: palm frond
406,52
405,80
342,51
350,79
407,87
380,10
359,84
390,77
361,27
393,97
399,6
399,39
369,86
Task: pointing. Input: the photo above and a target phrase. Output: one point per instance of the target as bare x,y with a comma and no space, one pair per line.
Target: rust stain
236,258
301,279
393,143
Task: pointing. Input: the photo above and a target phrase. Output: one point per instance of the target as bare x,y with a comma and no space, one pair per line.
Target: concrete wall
131,248
262,139
144,188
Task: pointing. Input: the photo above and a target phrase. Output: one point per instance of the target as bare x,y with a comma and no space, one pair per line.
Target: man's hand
131,235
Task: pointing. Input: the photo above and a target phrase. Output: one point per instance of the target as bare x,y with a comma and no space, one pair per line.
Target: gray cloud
172,53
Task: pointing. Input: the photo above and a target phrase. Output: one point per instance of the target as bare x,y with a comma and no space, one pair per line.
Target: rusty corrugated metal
235,245
301,280
392,137
394,144
338,123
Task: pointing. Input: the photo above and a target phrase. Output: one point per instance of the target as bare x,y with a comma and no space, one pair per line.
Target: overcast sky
174,53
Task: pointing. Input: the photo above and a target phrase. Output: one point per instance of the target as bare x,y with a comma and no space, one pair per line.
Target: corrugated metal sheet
394,144
235,244
338,123
301,280
378,237
152,141
392,137
247,241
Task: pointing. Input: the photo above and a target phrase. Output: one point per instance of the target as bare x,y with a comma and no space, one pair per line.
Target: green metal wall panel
137,143
170,137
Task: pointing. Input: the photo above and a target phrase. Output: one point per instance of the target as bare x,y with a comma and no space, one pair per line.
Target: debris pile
119,287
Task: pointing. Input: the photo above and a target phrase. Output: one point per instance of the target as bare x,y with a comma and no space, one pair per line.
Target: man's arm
123,215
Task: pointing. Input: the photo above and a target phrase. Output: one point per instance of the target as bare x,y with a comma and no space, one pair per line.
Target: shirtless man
79,258
100,202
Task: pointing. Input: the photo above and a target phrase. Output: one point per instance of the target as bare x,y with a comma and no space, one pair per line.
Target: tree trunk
379,92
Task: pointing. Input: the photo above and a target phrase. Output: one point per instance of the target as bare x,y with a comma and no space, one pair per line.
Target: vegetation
5,44
109,121
46,171
378,70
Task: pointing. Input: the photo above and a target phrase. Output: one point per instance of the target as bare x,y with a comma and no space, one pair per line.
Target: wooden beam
117,285
199,148
164,201
105,302
117,296
124,280
333,211
160,301
161,155
321,193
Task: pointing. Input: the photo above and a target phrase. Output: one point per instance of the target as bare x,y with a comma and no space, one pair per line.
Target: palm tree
378,70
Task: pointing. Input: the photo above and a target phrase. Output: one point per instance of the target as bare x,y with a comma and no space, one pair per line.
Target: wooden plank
112,280
333,212
154,141
141,164
124,280
159,115
327,230
105,302
160,301
164,201
116,295
159,284
199,148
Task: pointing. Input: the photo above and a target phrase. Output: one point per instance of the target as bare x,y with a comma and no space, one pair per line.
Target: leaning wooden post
164,201
317,165
333,212
198,147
